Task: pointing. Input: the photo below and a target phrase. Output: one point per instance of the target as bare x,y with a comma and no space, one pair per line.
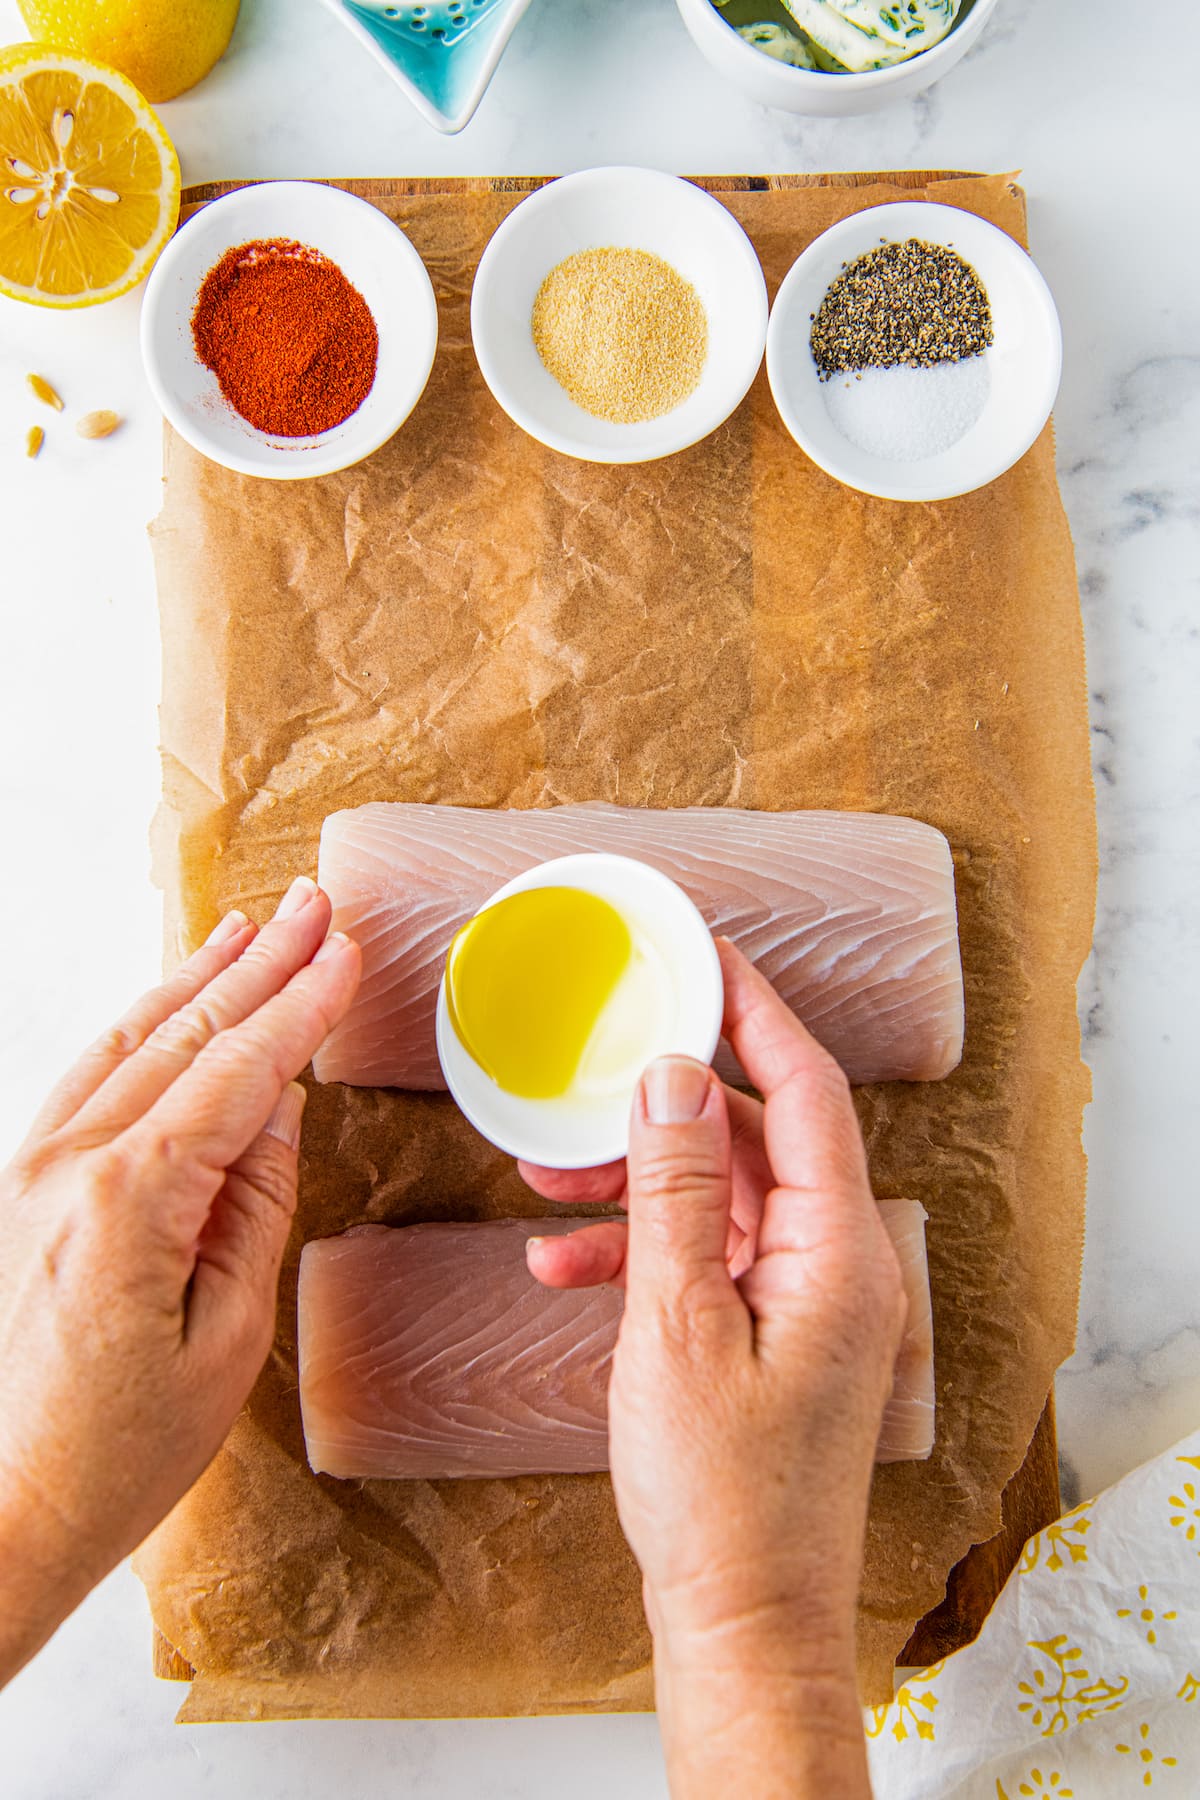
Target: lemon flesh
163,46
89,181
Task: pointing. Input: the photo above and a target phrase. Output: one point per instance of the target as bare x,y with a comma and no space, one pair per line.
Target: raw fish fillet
430,1352
907,1432
850,915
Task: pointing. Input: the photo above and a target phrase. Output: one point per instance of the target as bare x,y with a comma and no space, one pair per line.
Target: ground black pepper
906,303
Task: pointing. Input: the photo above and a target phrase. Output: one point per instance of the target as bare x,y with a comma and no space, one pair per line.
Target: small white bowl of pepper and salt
619,314
914,351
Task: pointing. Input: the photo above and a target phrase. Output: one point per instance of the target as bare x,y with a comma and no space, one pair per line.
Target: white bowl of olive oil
759,67
560,991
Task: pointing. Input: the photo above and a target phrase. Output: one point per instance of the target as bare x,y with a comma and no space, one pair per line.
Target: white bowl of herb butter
834,57
619,314
914,351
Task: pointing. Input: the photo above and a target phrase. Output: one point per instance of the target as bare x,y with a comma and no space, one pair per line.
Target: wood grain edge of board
383,188
167,1662
1030,1502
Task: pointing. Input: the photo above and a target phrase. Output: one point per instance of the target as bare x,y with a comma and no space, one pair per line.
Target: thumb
242,1245
680,1189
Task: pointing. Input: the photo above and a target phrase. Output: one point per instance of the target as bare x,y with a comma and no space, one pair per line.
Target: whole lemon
163,46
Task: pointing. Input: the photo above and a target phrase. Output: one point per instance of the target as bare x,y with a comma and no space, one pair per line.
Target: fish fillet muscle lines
851,916
429,1351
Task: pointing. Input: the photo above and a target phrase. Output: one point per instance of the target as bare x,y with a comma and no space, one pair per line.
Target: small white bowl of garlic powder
834,57
619,314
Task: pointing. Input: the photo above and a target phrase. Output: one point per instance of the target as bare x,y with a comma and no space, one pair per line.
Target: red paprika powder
291,342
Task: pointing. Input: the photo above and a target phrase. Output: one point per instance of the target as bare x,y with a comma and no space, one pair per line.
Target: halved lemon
89,180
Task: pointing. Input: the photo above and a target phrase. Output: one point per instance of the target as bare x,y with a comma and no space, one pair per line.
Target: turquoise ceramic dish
442,54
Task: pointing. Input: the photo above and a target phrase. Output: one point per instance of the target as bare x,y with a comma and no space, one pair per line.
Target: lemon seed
41,389
100,424
35,437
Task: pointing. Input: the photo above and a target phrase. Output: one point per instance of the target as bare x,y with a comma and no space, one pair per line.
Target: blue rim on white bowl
1021,369
561,1134
372,253
633,208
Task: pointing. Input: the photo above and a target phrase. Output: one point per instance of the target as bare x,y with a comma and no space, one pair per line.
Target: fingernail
284,1122
297,897
230,925
532,1244
674,1089
334,945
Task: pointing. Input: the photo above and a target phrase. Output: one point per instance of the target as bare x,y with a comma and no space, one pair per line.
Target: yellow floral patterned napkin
1085,1681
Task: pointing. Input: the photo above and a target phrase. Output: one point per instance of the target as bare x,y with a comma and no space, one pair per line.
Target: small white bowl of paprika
288,330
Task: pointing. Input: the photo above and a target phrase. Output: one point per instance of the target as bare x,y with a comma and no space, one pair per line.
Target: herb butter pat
842,36
779,42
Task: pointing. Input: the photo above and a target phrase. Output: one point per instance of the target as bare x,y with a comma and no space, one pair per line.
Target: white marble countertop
1100,134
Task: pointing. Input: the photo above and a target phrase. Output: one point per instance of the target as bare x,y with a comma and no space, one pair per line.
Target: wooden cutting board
1032,1499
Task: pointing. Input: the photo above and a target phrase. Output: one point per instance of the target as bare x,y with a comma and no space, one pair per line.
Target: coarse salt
907,415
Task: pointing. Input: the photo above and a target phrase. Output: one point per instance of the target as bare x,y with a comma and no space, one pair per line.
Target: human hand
142,1226
744,1413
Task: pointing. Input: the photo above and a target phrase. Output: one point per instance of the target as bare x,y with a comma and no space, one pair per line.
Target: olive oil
528,982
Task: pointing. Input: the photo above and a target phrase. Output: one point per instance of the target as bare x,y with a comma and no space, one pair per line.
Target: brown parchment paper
470,618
